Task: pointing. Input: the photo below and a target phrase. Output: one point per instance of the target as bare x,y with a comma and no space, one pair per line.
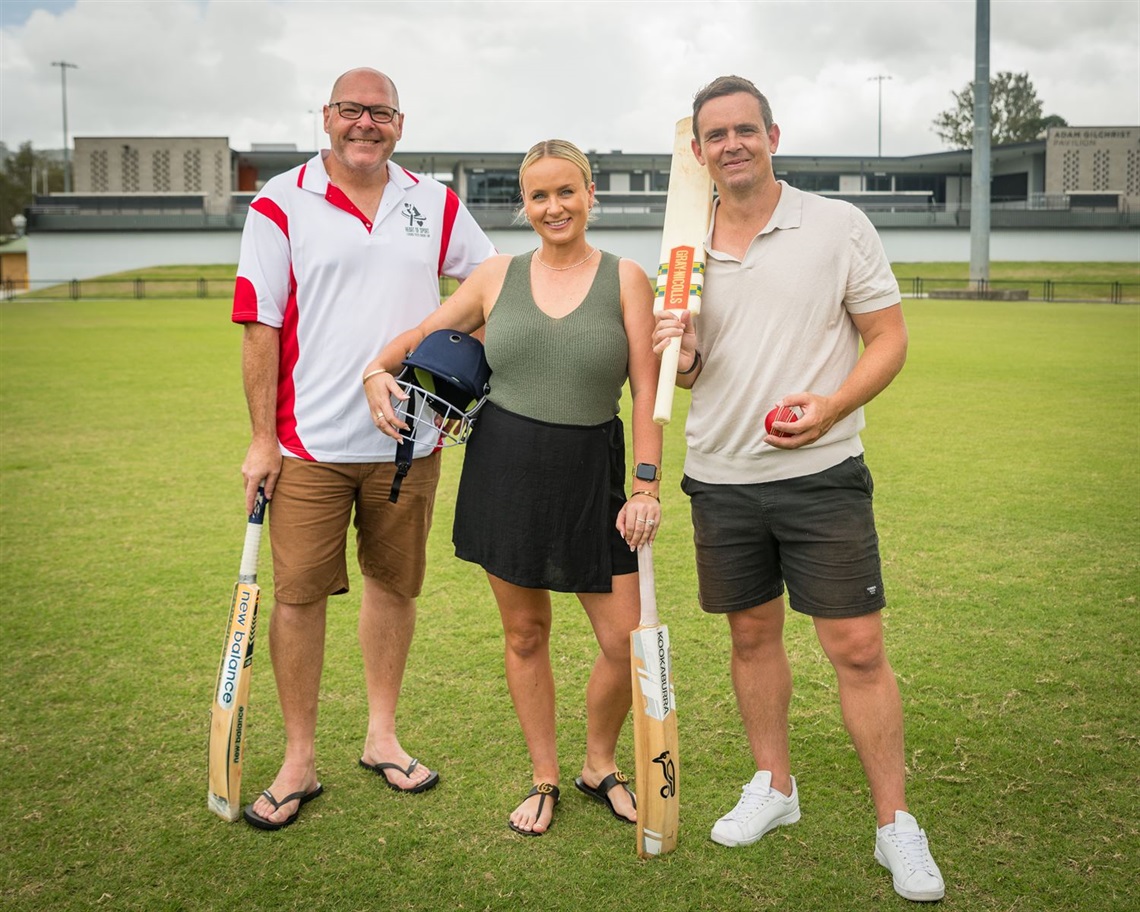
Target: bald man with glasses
339,256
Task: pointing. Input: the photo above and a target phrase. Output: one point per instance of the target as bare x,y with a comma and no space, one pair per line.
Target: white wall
1019,245
59,257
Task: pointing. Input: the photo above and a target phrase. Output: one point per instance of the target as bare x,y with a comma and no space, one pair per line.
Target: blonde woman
542,504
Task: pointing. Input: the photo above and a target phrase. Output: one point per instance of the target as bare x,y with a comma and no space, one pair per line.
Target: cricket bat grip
648,586
252,547
666,382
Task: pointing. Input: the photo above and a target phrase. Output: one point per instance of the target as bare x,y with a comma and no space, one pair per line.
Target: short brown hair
730,85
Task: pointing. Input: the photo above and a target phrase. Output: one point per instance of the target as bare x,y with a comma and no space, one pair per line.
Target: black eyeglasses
354,110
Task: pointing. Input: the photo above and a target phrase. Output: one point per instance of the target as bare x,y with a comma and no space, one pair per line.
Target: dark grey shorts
816,534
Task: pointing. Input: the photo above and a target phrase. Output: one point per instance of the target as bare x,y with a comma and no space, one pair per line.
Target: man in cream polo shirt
338,257
794,283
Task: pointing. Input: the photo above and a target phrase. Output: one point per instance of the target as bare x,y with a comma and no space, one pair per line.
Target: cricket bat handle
667,382
252,547
648,587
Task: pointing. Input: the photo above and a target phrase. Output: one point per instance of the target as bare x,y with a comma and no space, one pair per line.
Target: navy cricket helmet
447,379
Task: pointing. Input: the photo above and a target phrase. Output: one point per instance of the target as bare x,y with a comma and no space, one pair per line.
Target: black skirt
537,502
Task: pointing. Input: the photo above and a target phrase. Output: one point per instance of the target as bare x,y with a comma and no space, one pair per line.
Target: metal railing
158,289
1114,292
118,289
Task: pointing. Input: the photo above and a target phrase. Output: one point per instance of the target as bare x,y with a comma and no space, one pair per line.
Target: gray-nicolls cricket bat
681,273
230,709
654,722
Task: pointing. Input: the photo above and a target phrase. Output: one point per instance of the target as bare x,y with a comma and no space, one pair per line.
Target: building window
130,169
192,170
1009,187
1132,174
637,182
160,164
1100,169
813,183
935,186
493,188
1071,170
660,181
601,181
99,171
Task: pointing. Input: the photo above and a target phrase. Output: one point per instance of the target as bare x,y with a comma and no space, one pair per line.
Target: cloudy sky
500,75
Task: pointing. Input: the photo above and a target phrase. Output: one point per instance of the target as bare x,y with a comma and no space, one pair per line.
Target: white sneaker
901,848
760,809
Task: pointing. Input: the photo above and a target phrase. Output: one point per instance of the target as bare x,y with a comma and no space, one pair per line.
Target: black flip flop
378,768
264,823
542,790
602,792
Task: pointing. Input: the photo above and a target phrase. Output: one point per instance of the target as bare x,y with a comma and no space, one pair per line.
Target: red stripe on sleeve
450,210
245,301
273,212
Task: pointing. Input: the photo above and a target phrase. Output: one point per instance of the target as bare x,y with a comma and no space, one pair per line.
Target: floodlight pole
316,142
63,68
980,160
879,79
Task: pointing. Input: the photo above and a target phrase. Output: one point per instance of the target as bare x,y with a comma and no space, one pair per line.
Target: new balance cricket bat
228,715
681,275
654,722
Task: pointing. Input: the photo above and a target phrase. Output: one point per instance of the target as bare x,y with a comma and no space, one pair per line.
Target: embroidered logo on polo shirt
416,222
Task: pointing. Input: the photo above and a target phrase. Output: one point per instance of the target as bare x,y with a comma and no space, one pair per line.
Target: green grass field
1007,462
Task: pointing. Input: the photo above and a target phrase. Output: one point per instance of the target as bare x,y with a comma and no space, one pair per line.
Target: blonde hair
555,148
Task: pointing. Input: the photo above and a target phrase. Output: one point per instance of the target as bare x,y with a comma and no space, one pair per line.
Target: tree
23,170
1015,113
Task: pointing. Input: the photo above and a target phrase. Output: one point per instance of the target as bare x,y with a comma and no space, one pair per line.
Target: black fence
158,289
119,289
1115,292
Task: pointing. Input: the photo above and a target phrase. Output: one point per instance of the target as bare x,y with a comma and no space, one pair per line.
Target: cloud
497,76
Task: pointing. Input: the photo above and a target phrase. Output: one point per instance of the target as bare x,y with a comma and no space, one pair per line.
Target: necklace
593,250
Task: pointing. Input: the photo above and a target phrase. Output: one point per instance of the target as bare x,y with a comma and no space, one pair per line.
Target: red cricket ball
783,413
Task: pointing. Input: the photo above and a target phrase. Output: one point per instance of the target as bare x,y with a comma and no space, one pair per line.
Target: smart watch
646,471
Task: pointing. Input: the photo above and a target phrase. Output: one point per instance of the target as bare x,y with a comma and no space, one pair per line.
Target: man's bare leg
387,623
297,650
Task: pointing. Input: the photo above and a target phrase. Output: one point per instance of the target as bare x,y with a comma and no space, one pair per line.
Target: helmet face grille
447,381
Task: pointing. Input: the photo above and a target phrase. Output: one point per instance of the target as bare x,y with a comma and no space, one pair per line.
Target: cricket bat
228,715
654,722
681,274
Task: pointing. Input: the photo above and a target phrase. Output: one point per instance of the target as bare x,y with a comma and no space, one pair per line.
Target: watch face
645,472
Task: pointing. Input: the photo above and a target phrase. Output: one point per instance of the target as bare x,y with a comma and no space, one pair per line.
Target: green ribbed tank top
568,370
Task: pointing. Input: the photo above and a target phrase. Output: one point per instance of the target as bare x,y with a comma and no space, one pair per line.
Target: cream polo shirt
776,323
340,286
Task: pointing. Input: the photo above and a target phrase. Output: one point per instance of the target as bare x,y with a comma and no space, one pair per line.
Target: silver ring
651,522
641,519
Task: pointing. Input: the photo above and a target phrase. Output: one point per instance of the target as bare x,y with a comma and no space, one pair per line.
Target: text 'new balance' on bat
229,712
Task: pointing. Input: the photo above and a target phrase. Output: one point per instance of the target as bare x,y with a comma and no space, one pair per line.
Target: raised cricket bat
654,722
228,715
681,275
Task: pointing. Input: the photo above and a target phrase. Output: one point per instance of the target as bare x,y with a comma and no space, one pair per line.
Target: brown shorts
308,522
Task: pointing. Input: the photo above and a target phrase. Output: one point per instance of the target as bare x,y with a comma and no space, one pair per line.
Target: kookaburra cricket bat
681,274
654,722
229,713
